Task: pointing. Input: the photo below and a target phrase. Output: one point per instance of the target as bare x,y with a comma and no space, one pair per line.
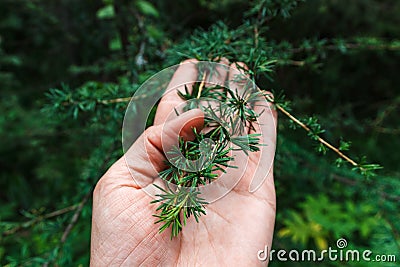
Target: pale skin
235,228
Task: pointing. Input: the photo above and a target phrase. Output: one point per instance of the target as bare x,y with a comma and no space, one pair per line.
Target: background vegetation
63,63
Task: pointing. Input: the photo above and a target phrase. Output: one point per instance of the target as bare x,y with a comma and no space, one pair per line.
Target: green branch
314,132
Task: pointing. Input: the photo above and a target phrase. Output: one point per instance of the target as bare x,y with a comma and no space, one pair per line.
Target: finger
263,105
145,158
233,177
240,86
214,75
238,79
217,75
186,74
262,161
266,126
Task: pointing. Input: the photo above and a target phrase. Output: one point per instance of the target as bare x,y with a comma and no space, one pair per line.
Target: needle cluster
199,162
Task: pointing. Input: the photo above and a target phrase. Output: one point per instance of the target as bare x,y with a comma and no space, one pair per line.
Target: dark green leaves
176,203
249,143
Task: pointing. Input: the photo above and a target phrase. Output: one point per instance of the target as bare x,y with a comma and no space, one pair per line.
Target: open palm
235,228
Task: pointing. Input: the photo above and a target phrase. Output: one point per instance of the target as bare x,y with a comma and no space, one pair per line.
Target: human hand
235,228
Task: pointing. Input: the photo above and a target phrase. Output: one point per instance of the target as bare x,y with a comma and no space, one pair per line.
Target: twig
385,130
71,224
139,58
109,101
297,63
78,211
201,85
305,127
75,217
376,124
122,99
348,46
39,219
395,232
351,182
117,100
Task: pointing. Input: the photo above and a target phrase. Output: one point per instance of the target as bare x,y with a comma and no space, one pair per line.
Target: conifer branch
323,141
352,45
365,169
108,101
38,219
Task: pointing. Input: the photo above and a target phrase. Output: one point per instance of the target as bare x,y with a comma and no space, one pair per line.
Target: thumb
145,158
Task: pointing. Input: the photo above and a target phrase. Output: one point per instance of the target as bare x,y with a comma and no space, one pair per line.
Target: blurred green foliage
63,64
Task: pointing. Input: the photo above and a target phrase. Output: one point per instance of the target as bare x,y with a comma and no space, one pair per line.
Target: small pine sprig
174,203
193,164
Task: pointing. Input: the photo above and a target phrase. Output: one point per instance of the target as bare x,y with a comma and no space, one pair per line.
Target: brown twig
39,219
75,217
305,127
351,182
109,101
395,232
349,46
297,63
71,224
201,85
78,211
385,130
117,100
